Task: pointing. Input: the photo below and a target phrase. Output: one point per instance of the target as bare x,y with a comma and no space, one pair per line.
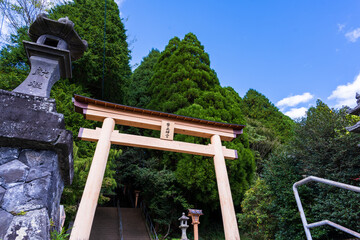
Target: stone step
106,224
133,224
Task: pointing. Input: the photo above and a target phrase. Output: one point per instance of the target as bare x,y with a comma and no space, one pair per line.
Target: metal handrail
149,223
324,222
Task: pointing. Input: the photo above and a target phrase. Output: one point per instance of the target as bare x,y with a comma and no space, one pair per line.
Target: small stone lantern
183,226
195,215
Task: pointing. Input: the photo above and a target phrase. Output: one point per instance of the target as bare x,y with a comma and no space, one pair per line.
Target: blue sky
293,52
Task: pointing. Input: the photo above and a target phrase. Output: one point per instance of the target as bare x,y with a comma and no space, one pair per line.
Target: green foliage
266,126
62,235
83,151
63,92
257,106
182,71
158,185
263,141
140,81
320,147
88,17
328,150
21,213
213,231
257,219
328,144
13,62
281,171
72,194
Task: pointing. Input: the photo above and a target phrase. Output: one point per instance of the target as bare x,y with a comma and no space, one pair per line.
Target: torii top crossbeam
98,110
168,124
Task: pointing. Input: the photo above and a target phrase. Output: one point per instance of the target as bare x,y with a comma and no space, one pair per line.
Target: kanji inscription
167,130
35,84
41,72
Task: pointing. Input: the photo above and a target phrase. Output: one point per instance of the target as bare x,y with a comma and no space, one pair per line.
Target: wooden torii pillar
168,124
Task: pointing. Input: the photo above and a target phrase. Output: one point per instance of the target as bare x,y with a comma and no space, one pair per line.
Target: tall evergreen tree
183,70
88,17
256,106
183,83
267,127
137,94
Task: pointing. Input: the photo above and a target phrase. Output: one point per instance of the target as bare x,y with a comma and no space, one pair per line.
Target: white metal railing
324,222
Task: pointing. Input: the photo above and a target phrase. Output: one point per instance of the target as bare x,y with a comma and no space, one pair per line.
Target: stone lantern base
35,162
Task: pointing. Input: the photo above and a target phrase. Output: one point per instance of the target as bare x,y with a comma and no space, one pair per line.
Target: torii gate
168,124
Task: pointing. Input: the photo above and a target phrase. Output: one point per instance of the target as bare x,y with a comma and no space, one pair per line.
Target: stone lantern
55,45
183,226
195,216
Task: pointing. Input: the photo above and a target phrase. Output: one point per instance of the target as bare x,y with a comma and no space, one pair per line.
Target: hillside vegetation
274,151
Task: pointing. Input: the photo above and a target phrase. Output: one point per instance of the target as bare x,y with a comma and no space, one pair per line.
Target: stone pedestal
35,163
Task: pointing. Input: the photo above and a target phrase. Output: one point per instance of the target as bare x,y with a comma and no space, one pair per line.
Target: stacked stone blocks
30,190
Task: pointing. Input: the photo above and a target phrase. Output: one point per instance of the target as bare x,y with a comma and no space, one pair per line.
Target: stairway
133,224
106,224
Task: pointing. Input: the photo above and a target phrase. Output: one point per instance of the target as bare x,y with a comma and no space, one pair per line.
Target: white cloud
119,2
340,27
344,95
295,100
353,35
296,112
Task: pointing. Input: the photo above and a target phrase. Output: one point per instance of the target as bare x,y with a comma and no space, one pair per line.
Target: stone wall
30,191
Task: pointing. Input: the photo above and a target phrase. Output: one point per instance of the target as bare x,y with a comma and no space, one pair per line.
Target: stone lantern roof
183,218
63,29
355,111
